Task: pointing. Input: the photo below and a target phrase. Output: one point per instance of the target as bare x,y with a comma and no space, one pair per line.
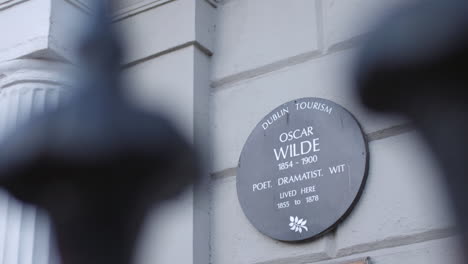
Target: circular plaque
302,169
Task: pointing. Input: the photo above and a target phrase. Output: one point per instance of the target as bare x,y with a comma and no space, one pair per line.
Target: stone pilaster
27,87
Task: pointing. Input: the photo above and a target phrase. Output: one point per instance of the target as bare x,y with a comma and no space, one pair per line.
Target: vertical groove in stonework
42,239
25,103
16,107
7,121
3,224
13,106
39,100
3,114
14,215
24,231
52,98
26,245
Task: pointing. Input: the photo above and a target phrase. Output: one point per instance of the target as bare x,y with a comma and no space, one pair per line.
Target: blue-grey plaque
302,169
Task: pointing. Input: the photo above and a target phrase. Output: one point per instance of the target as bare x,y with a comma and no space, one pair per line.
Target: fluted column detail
27,88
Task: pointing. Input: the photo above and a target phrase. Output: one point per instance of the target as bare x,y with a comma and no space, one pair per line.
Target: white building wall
216,67
268,52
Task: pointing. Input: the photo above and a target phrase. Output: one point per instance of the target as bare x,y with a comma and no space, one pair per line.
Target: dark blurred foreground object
97,164
416,64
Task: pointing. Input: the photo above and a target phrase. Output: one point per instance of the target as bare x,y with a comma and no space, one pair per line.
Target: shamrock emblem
297,224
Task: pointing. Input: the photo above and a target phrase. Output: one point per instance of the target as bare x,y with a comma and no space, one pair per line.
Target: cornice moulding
24,48
137,8
124,12
213,3
83,5
34,71
4,4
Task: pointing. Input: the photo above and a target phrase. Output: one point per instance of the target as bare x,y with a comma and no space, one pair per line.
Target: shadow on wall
415,64
98,163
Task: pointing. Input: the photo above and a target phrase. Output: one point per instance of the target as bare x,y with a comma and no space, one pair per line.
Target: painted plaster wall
268,52
216,68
